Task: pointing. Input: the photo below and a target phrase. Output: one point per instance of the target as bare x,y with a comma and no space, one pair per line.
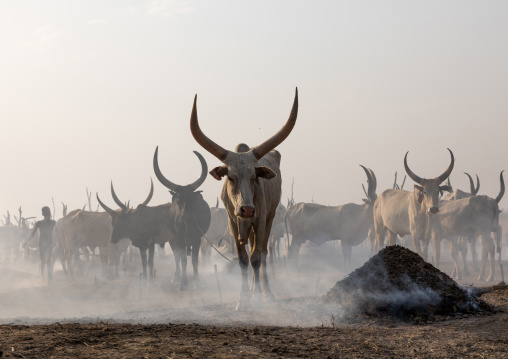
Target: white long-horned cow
81,228
401,212
318,223
250,194
459,244
472,216
459,194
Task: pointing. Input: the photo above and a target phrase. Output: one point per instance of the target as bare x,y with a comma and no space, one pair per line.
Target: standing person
45,228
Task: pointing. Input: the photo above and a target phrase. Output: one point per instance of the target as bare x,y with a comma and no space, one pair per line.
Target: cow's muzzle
247,211
433,210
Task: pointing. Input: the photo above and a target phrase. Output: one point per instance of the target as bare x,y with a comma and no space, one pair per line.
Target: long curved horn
448,171
364,191
116,199
374,184
370,182
410,173
204,171
106,208
147,200
262,149
201,138
501,190
167,183
471,184
477,185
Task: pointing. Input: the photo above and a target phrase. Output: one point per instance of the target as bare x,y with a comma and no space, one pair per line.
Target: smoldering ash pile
398,283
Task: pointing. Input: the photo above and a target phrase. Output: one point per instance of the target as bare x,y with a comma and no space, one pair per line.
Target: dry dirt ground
95,317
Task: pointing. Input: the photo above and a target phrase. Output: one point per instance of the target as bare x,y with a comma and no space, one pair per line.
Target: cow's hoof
480,277
183,286
242,304
269,298
490,279
176,279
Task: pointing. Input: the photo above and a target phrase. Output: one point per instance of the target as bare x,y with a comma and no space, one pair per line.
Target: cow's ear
219,172
419,190
265,172
446,188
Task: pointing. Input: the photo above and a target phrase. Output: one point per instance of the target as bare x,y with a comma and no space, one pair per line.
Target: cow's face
428,194
240,166
186,201
242,176
120,220
427,190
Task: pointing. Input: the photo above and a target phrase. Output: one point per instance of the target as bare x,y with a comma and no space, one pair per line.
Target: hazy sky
88,89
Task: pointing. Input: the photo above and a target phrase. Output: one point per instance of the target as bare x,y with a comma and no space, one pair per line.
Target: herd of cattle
253,214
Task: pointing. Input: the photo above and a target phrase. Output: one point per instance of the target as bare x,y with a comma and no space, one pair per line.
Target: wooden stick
502,272
317,284
218,284
140,286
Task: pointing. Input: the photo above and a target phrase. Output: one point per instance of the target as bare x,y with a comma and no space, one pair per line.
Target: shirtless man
45,228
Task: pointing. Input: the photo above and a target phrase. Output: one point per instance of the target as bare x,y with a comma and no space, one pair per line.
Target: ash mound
399,283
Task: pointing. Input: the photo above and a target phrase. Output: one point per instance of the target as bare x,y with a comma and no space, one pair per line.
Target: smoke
28,299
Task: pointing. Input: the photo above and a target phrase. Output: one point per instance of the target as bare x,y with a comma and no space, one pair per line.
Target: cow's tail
287,233
499,230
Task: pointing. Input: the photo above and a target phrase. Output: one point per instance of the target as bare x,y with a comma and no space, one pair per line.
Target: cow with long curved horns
145,226
349,223
189,217
250,194
471,216
401,212
459,244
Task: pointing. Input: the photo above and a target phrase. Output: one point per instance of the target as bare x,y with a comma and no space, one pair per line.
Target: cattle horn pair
172,186
474,190
441,178
119,203
258,151
372,181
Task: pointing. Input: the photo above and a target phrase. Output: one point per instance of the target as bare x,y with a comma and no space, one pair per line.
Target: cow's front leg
195,257
181,248
151,252
454,252
176,255
463,251
484,258
474,253
243,261
491,248
142,252
265,285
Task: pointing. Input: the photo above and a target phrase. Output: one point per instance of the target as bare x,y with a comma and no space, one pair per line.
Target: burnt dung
398,283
